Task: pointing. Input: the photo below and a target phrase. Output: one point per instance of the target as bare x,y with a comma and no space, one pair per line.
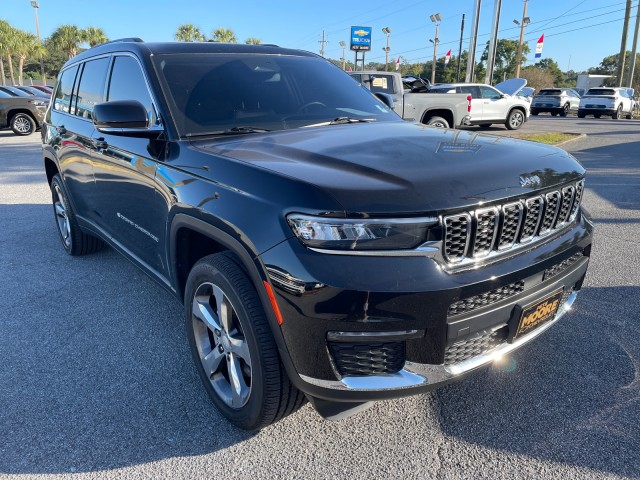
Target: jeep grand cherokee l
323,248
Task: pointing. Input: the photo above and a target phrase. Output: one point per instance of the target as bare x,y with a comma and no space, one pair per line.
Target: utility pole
36,6
322,44
634,49
435,18
493,42
623,44
471,60
460,48
387,32
525,21
343,44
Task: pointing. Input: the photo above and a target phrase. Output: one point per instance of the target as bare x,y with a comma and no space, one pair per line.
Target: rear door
477,107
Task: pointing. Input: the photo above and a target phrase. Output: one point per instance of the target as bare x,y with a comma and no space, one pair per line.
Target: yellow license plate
538,313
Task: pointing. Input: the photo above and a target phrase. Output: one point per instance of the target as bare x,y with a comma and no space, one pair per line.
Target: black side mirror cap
125,118
385,98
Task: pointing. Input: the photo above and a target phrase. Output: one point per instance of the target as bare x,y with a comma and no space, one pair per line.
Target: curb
569,140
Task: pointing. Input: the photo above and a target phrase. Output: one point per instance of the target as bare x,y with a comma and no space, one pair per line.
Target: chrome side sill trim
418,374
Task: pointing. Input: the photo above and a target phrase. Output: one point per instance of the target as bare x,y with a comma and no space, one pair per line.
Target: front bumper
407,299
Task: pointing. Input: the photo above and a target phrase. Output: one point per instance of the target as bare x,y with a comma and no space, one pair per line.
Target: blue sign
361,38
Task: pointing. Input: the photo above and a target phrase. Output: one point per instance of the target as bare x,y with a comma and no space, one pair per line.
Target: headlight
360,234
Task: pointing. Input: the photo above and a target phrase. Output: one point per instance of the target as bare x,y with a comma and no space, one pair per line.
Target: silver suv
556,101
610,101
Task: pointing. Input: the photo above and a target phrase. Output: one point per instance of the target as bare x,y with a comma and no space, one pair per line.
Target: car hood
402,167
512,86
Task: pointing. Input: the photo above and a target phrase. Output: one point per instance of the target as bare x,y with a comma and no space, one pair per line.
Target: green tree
5,32
506,55
551,67
9,46
188,32
253,41
67,39
537,77
26,45
95,36
224,35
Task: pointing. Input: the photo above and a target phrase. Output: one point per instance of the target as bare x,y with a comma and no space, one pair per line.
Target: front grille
474,346
362,359
485,299
562,266
476,234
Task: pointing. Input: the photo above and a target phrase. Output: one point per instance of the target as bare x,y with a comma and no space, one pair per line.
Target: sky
578,33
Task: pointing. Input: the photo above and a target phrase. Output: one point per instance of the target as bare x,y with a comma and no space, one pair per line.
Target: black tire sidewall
32,123
70,218
205,272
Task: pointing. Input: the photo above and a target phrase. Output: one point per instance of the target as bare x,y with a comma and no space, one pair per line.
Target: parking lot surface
97,380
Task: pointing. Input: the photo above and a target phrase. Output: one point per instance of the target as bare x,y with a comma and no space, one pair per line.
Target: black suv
22,114
323,248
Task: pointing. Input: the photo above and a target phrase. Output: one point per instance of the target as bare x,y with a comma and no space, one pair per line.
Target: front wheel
23,124
515,119
438,122
232,345
581,114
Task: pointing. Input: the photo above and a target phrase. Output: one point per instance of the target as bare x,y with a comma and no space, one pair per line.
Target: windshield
245,93
550,92
601,91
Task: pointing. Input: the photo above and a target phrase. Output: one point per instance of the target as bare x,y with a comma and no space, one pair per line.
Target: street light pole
525,21
435,18
343,44
36,6
387,32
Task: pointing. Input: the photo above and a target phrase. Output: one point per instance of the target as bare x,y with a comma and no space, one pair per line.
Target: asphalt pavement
96,380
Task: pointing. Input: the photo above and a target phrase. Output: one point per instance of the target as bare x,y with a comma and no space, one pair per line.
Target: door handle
100,143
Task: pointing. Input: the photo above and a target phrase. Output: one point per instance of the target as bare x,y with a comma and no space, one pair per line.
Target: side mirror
385,98
123,117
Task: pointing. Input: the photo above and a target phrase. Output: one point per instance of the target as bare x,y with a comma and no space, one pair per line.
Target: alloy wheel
62,218
222,345
22,125
516,119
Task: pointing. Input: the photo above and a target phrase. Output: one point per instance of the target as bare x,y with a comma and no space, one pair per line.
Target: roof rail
128,39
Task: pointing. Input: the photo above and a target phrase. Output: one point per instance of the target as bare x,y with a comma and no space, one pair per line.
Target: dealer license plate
538,313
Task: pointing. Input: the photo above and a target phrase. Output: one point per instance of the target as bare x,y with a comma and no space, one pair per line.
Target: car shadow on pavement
571,397
96,372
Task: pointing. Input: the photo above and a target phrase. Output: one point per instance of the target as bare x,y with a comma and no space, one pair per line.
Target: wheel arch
439,112
50,168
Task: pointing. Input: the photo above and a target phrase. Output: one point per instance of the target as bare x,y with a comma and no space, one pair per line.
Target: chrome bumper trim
419,374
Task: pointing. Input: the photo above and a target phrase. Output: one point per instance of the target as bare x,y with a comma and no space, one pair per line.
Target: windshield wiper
341,121
231,131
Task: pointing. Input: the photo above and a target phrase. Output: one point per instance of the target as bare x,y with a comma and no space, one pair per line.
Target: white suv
491,105
610,101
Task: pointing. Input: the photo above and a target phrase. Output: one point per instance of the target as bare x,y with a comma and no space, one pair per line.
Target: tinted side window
489,93
62,99
91,90
472,90
127,83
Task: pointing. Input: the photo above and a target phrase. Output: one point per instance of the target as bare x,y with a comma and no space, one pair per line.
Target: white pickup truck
445,111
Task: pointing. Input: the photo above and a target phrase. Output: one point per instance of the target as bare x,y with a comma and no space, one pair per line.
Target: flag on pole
539,46
398,64
447,57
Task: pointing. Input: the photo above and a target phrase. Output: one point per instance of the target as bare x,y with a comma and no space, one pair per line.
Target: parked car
44,88
491,105
527,94
609,101
415,103
23,115
15,92
34,91
556,101
323,248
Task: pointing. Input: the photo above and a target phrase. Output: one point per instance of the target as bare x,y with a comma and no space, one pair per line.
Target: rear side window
127,83
4,95
472,90
62,100
381,84
91,89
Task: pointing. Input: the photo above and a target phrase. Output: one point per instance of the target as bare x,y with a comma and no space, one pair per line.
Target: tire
534,113
597,115
238,351
555,114
74,241
438,122
618,114
485,125
565,111
22,124
515,119
581,114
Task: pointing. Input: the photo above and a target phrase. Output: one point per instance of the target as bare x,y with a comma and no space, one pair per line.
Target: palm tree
224,35
253,41
95,36
188,32
8,44
67,38
4,34
26,45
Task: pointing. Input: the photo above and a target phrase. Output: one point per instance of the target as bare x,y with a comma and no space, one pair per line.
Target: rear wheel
23,124
581,114
74,241
438,122
515,119
618,113
597,115
233,347
565,111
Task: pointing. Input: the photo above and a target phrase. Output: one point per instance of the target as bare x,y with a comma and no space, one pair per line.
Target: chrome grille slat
473,235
